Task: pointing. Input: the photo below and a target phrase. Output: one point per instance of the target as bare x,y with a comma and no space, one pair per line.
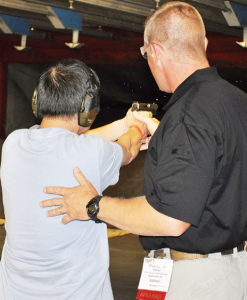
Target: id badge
155,278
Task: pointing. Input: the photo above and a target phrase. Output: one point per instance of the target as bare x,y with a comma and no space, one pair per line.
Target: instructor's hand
74,200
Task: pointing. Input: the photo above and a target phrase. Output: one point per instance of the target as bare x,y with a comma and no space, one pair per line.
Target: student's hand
74,200
130,117
141,126
152,123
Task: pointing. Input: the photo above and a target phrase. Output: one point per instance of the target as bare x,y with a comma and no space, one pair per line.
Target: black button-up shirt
196,165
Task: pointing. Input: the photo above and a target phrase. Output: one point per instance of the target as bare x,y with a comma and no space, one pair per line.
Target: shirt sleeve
184,174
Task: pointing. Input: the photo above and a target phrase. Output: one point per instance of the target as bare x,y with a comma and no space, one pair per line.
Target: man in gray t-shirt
42,258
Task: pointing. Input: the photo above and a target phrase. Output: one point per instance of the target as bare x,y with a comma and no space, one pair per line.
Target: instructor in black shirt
194,208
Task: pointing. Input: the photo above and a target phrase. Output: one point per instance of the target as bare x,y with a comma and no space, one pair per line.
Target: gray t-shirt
42,258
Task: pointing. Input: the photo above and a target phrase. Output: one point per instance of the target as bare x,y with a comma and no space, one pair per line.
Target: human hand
130,118
74,200
145,143
151,123
142,126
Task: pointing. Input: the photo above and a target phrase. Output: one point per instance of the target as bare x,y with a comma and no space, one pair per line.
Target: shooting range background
125,77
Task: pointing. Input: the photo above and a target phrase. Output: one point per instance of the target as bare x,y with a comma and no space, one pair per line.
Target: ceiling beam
30,15
24,5
91,15
151,4
122,14
129,7
112,22
241,2
94,10
124,6
212,3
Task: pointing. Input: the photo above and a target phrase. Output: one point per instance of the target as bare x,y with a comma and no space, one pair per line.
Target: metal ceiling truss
123,14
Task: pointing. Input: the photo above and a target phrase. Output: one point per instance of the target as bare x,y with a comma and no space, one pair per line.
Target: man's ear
156,53
206,43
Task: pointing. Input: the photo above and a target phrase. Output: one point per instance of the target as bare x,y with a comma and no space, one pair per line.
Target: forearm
137,216
112,131
131,144
133,215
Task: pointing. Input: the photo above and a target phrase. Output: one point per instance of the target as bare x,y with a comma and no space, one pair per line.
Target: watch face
91,208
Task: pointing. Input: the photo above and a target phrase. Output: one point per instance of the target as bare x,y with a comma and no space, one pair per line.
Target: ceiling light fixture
71,2
157,3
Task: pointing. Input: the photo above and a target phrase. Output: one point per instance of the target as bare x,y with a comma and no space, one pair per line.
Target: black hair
61,88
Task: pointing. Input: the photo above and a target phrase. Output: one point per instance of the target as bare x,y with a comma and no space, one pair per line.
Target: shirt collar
199,76
36,133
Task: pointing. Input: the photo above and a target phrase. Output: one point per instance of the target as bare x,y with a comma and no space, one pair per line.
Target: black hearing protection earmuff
90,106
34,103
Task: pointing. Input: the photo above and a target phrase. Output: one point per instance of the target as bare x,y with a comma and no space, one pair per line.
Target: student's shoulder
13,137
100,142
15,134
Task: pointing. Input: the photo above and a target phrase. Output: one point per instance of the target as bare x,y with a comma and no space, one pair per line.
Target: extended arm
133,215
112,131
130,143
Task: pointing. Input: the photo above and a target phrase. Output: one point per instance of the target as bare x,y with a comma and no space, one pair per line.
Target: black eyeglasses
143,52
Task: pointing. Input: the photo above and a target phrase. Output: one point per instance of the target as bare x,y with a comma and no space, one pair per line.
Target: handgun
145,106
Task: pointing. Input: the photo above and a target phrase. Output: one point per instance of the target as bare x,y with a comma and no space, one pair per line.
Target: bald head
179,29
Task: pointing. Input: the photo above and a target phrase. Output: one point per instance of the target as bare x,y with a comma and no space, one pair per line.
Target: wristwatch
93,208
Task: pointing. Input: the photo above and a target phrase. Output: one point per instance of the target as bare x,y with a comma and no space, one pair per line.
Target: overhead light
75,44
71,2
15,25
244,43
23,47
236,16
157,3
67,19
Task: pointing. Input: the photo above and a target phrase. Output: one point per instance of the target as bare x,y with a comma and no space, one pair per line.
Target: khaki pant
218,277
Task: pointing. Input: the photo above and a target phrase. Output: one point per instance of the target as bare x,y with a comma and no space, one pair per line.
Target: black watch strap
93,208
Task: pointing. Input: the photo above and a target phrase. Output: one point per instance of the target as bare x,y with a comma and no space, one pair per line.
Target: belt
177,255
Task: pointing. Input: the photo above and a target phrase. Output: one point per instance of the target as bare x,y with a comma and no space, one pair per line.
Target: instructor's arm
133,215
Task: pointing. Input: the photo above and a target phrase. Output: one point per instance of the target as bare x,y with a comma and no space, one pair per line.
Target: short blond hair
179,28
